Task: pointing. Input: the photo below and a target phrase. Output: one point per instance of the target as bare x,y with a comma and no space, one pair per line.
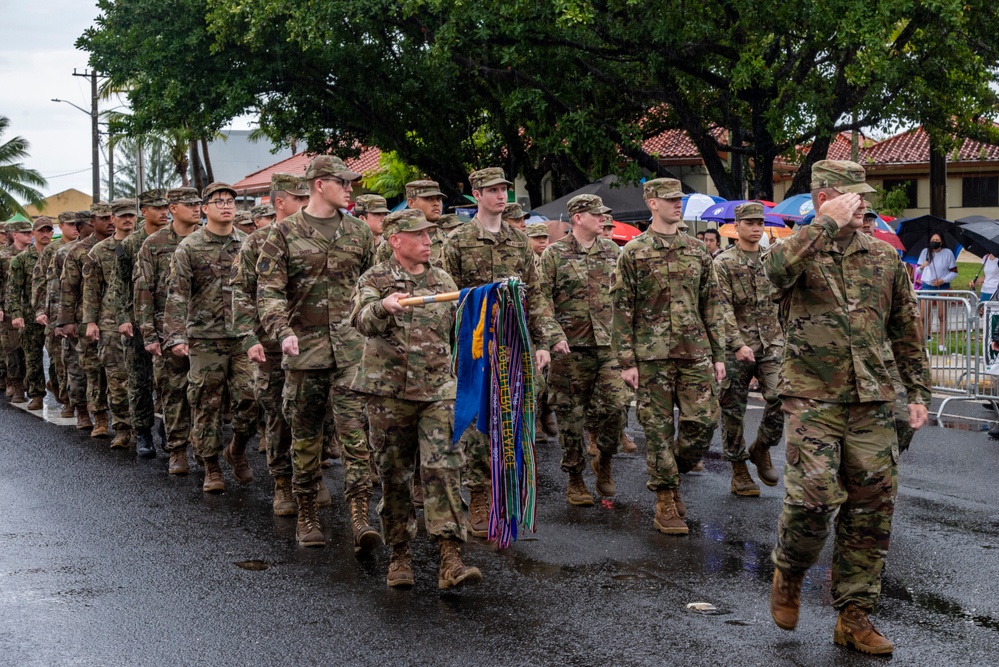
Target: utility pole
140,171
95,131
110,165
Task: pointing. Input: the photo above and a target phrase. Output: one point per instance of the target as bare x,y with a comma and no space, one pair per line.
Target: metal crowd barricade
953,343
987,363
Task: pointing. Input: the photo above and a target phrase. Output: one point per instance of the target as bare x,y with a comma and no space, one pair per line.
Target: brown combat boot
742,483
323,497
235,455
667,520
213,476
100,425
18,396
36,403
68,411
601,465
178,462
785,600
262,445
122,436
400,570
591,449
453,572
760,456
478,512
628,445
308,531
10,389
83,422
681,507
366,538
576,493
855,630
284,502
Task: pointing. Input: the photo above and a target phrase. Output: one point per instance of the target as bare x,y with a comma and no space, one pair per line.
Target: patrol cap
155,197
242,218
82,218
183,196
483,178
290,183
100,208
662,188
751,210
424,188
408,220
608,220
262,211
329,165
370,204
587,204
537,229
217,186
69,217
123,206
449,221
841,175
18,226
42,222
514,211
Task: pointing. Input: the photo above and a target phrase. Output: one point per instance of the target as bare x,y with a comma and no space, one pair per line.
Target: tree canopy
17,182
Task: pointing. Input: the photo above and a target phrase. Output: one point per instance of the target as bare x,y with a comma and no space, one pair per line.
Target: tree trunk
208,160
938,181
803,177
199,184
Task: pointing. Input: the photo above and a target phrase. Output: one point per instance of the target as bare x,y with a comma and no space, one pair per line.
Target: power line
68,173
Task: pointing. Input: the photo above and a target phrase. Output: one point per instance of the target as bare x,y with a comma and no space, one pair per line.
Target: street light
95,131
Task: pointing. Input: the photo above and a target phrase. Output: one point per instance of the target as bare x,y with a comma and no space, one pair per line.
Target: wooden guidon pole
430,298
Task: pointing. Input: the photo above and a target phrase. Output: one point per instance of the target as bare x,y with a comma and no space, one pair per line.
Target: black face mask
935,245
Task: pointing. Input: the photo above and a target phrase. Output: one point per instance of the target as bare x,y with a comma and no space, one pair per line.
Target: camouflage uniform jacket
122,286
199,302
748,302
40,282
71,282
843,304
244,289
406,356
437,238
6,254
19,292
98,269
53,279
474,256
304,287
666,303
577,282
152,281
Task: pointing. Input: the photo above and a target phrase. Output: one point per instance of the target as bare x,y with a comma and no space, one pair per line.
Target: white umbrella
695,205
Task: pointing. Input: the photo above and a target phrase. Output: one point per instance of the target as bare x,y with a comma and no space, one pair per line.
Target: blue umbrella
795,207
725,212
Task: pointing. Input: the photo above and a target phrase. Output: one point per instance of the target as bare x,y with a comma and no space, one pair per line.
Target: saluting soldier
20,307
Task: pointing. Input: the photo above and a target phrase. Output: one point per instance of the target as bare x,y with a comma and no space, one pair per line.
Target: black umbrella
915,233
980,235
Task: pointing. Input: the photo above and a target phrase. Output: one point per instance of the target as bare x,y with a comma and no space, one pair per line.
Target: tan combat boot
628,445
308,531
453,572
36,403
9,391
366,538
213,476
576,493
855,630
760,456
262,445
667,519
100,425
785,600
284,502
235,455
478,512
18,396
601,465
122,436
323,497
68,411
400,569
591,449
178,462
742,483
83,422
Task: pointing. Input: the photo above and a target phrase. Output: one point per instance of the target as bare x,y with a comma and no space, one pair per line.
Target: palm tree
390,179
16,180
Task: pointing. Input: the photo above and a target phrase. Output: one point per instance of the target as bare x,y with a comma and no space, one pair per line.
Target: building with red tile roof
259,182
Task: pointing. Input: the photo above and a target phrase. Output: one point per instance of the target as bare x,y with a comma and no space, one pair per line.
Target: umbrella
623,232
980,235
914,233
891,238
795,207
694,205
725,212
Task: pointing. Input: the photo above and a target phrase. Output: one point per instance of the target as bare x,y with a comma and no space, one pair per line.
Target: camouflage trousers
112,356
171,387
541,399
901,408
735,396
140,382
404,433
307,397
33,346
12,349
688,385
585,384
840,456
218,364
3,356
97,381
76,379
57,365
268,382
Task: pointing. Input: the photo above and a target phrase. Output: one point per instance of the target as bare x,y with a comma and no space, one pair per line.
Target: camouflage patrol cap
155,197
41,223
290,183
751,210
449,221
662,188
123,206
18,226
841,175
408,220
483,178
370,204
424,188
217,186
608,220
69,217
100,208
513,210
242,218
537,229
587,204
329,165
183,196
262,211
83,218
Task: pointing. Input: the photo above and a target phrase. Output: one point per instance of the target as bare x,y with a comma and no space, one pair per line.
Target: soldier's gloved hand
719,371
561,347
541,359
93,331
256,354
69,331
630,377
125,329
180,350
745,355
917,416
17,323
842,208
154,349
290,346
391,303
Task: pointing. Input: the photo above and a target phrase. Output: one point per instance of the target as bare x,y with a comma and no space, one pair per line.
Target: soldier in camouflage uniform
19,303
372,209
577,273
307,269
424,196
100,316
449,222
513,215
243,221
197,322
482,251
46,311
262,216
11,337
754,344
152,283
289,193
670,335
844,294
545,422
406,373
74,379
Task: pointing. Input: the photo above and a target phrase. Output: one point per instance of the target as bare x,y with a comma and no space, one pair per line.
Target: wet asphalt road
105,560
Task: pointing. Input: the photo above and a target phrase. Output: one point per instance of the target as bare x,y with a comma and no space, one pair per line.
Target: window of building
979,191
907,185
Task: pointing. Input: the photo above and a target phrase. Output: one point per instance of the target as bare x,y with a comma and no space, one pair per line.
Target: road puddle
253,565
